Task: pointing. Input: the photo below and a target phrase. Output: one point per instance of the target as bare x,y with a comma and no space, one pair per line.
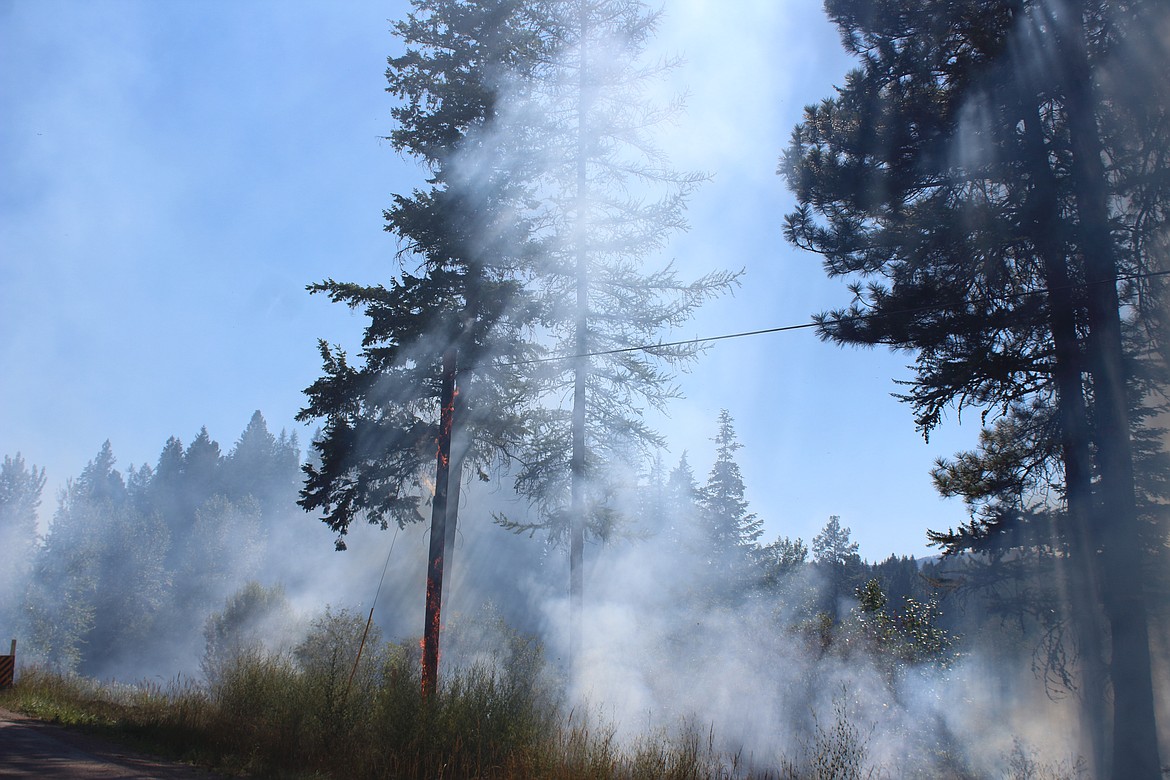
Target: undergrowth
270,717
311,713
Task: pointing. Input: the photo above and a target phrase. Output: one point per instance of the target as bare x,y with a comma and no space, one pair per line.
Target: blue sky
172,175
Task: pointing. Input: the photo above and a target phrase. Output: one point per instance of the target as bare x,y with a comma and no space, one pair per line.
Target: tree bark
434,600
1135,741
459,448
460,434
581,345
1080,568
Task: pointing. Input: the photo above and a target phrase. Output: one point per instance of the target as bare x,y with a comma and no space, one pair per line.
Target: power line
807,325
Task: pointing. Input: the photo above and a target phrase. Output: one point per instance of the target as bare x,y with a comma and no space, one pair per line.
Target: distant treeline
131,565
150,564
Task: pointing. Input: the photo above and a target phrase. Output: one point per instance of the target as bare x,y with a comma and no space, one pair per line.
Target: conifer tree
781,558
682,501
610,201
442,363
20,497
965,179
731,533
165,492
100,579
463,246
222,549
263,467
652,504
202,471
544,200
835,554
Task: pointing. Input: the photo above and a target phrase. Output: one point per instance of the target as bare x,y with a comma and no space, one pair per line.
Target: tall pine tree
100,579
731,533
964,178
610,201
20,497
544,199
464,246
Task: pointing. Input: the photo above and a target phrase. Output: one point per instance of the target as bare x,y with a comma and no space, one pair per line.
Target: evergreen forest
486,561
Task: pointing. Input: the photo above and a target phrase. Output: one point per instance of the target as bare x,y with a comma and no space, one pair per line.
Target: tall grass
268,716
310,712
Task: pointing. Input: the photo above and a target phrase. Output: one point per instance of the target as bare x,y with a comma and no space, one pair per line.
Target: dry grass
299,715
268,716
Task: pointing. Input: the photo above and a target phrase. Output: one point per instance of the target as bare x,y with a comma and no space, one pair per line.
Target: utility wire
807,325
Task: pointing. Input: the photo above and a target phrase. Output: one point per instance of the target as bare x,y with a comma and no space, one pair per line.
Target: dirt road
32,749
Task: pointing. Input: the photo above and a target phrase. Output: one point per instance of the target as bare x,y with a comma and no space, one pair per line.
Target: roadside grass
270,717
164,720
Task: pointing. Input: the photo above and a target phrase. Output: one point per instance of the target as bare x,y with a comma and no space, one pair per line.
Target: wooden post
432,620
8,667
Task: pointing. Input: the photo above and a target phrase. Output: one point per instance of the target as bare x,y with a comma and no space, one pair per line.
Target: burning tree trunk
459,447
434,600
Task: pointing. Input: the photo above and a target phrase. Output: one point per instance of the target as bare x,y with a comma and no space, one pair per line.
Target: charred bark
434,599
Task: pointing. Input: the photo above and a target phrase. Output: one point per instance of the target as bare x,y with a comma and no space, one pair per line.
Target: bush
838,752
255,619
